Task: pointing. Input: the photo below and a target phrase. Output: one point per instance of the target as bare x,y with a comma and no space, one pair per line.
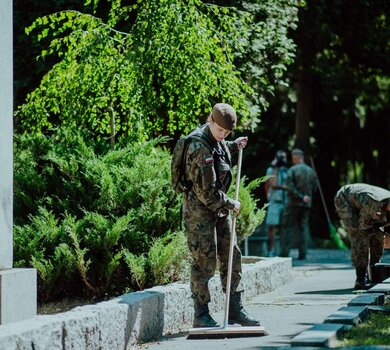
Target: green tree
338,95
159,77
268,49
158,66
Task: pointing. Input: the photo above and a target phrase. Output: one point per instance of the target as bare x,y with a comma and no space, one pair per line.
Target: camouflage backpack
178,174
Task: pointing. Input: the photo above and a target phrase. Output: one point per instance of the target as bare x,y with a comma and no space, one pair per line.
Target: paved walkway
321,284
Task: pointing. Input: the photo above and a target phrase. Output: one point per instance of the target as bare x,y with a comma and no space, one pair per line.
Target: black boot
237,313
362,281
202,316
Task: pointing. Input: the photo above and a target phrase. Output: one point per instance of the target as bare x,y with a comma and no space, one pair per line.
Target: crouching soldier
364,211
207,218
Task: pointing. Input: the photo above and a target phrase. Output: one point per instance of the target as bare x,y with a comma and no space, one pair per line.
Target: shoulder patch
209,160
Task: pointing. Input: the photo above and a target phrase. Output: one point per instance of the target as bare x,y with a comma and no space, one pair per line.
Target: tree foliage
268,50
155,67
339,76
159,77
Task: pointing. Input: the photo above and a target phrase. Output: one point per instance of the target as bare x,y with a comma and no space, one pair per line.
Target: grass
375,331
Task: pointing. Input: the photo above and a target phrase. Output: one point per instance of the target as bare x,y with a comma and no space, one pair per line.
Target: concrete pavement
321,284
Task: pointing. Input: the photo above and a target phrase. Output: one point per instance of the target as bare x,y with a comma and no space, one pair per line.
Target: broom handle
232,242
321,193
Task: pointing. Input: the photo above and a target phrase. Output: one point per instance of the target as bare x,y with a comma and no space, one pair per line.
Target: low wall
135,317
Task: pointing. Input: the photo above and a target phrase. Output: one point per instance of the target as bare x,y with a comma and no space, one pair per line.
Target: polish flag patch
209,160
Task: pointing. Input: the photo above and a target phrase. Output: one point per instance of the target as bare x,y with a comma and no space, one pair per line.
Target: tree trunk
304,104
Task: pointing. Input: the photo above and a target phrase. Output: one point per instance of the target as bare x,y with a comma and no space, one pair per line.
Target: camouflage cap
297,152
225,116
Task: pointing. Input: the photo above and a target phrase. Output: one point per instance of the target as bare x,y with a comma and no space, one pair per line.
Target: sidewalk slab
368,299
352,315
320,335
380,288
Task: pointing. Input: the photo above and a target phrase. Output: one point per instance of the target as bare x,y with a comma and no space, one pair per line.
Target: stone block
379,272
40,332
380,288
18,295
91,327
368,299
387,280
352,315
265,275
145,319
135,317
322,335
373,309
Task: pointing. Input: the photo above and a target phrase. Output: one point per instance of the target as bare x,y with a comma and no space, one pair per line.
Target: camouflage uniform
206,214
300,182
362,211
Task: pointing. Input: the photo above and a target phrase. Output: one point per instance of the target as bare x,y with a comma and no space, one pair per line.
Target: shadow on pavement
327,291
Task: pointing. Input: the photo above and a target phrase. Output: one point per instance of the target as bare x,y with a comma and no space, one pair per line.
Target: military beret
225,116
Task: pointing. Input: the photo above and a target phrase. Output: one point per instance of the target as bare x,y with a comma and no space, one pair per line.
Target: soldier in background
364,211
207,218
274,188
300,185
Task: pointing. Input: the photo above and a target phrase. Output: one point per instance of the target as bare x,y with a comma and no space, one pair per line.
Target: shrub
79,204
86,215
166,261
250,215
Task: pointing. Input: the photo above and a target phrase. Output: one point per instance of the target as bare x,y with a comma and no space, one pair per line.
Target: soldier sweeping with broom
206,206
364,211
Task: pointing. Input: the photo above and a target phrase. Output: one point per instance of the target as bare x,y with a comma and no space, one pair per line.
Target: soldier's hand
241,142
306,199
237,206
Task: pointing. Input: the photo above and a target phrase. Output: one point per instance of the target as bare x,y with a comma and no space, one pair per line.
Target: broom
332,230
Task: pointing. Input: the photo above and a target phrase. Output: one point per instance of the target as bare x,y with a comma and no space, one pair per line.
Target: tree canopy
157,67
312,74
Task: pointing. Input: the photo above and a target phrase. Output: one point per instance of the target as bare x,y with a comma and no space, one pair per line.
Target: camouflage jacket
209,170
365,205
300,182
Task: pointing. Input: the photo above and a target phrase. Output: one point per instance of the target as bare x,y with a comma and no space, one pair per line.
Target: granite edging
135,317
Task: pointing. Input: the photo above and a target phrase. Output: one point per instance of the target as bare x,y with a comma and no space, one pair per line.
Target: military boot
362,281
237,313
202,317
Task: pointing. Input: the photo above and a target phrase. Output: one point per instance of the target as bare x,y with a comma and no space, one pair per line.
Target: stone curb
343,320
135,317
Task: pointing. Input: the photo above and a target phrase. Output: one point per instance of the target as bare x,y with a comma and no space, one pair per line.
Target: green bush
78,204
95,221
250,215
166,260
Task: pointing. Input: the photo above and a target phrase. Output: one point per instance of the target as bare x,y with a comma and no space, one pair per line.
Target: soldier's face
296,158
218,132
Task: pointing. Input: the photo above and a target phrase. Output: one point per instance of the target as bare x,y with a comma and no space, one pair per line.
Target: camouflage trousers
208,239
366,246
295,230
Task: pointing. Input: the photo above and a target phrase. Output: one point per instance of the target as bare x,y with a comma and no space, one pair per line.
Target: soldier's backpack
179,181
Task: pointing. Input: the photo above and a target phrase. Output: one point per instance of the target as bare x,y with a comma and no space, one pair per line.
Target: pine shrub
79,205
96,221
